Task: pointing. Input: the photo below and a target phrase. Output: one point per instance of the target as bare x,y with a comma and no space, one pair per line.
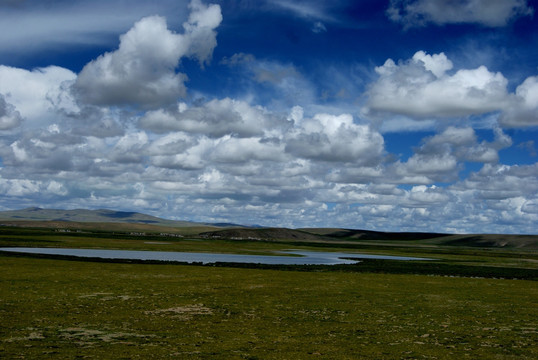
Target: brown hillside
263,234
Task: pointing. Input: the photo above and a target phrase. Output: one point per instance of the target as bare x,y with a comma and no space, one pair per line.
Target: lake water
302,258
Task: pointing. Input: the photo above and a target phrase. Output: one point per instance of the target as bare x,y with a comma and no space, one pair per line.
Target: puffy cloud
414,93
454,136
497,198
215,118
497,182
434,165
18,187
200,30
38,95
256,180
41,152
230,160
194,156
356,175
170,144
234,150
141,71
523,110
441,157
130,148
9,117
424,168
462,143
422,88
484,12
501,196
334,138
438,64
96,121
421,195
398,123
530,206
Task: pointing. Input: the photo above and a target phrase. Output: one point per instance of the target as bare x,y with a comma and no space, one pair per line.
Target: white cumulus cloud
523,110
37,95
9,117
142,71
334,138
214,118
118,136
422,88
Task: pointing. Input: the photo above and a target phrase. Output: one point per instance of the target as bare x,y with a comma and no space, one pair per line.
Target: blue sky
392,115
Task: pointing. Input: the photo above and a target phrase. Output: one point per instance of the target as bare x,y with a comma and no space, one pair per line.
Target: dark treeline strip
497,252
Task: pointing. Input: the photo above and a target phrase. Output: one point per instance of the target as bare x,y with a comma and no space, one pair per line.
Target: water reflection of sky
304,258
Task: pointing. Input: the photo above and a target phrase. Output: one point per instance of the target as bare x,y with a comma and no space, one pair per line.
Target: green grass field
65,309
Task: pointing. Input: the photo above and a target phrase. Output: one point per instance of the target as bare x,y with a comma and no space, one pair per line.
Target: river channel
301,257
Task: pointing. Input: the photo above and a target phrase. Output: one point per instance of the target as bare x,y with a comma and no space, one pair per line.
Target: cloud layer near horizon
123,134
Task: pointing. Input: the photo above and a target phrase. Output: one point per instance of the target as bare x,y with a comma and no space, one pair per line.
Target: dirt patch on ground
86,336
97,294
35,335
102,296
185,312
81,336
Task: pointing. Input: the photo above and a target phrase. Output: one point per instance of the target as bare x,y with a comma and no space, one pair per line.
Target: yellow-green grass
58,309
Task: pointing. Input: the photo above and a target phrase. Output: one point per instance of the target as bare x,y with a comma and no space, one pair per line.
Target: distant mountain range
110,220
94,216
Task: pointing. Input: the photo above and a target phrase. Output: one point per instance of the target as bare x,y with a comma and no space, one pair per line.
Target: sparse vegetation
67,309
468,303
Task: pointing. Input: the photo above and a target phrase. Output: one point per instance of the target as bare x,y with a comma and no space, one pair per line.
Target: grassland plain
53,308
69,309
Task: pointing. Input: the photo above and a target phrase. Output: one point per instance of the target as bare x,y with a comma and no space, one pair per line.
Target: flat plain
470,303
